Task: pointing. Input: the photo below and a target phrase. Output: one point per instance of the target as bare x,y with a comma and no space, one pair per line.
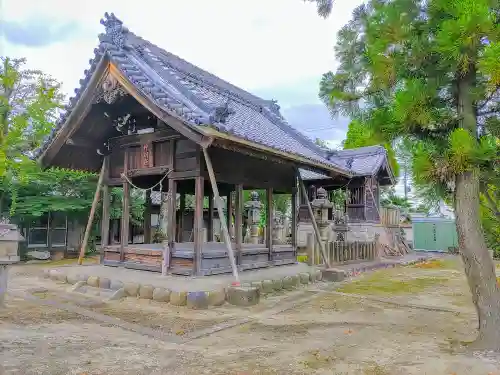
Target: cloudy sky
276,49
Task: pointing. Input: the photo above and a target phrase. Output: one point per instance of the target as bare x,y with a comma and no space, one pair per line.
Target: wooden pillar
210,228
147,217
125,222
198,223
269,222
229,213
180,224
105,219
172,208
293,225
238,221
171,225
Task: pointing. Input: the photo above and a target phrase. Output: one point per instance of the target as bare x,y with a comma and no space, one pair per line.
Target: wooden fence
339,252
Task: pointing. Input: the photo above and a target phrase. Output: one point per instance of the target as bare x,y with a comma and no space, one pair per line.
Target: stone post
253,207
277,228
9,254
320,206
340,226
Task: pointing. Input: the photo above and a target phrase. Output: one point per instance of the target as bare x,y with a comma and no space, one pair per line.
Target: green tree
324,7
428,72
29,103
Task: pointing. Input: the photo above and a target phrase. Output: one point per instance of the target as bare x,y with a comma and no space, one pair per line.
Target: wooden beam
125,221
81,143
210,229
198,224
229,212
294,219
92,213
182,210
172,223
147,217
313,221
223,219
106,214
238,220
269,222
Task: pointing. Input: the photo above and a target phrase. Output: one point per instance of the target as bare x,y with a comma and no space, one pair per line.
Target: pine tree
428,72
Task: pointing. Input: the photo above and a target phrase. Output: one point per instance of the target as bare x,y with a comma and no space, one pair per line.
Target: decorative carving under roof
114,29
110,91
221,113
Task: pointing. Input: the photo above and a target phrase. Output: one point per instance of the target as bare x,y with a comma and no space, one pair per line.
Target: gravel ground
330,334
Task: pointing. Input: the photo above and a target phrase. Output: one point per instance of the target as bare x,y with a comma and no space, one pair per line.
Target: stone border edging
247,294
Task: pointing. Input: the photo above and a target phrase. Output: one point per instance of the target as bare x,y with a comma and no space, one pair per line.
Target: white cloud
251,43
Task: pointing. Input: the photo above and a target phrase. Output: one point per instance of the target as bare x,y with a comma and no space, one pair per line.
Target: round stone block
93,281
295,280
115,285
54,274
104,283
277,284
178,298
216,297
267,286
318,275
61,277
304,278
314,275
161,295
72,279
197,300
46,274
240,296
146,291
131,289
82,277
256,284
288,283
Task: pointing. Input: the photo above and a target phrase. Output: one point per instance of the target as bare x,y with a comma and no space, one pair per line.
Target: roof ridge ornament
114,29
221,113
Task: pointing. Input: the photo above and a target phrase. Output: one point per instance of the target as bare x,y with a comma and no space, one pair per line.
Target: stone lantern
278,227
321,206
9,253
340,226
253,207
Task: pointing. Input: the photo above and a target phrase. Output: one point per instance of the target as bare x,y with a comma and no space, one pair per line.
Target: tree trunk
479,267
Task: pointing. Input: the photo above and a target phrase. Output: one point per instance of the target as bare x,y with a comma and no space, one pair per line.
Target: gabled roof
362,161
197,98
192,94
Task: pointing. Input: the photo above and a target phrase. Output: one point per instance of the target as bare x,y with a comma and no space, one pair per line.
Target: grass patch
437,264
375,370
381,283
316,360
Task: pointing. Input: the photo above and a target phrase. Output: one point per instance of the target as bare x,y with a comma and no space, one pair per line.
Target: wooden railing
339,252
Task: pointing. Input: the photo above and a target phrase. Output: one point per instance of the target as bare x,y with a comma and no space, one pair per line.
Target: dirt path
333,333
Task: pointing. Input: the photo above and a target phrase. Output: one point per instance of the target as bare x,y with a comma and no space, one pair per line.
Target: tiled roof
362,161
195,96
192,94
